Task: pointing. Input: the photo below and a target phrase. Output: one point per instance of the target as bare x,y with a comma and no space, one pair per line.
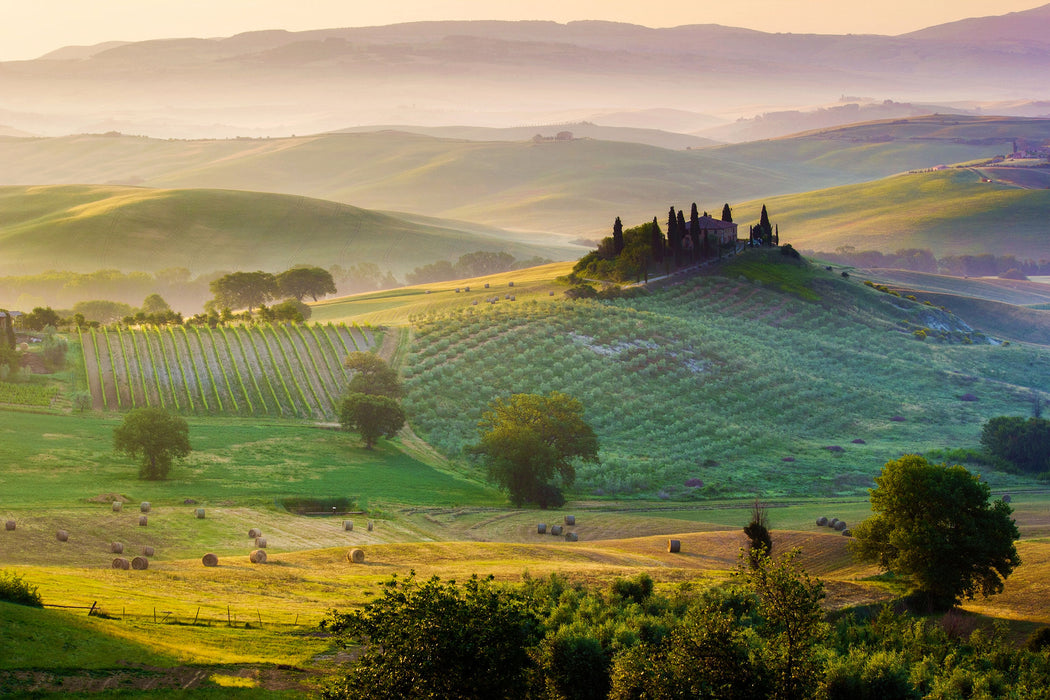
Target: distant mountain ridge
500,74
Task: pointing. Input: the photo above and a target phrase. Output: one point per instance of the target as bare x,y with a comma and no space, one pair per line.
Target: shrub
15,589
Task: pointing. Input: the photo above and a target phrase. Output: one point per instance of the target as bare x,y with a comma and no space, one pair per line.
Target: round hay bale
356,556
257,557
556,530
570,519
571,537
254,532
9,525
674,546
510,284
1006,499
833,522
117,506
822,521
541,529
143,521
62,536
199,513
140,563
260,542
348,525
147,551
145,506
847,533
189,501
116,548
840,525
210,559
371,526
121,563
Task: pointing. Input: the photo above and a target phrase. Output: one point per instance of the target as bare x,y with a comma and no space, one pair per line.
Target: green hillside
573,186
86,228
950,212
741,379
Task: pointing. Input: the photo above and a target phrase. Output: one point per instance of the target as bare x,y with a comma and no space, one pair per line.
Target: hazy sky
30,28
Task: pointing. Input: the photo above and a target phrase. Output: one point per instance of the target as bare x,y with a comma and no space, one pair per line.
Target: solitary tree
244,290
617,236
934,525
304,280
727,213
156,437
529,444
371,406
155,304
759,541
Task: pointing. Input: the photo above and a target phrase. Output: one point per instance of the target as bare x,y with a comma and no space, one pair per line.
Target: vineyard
722,385
281,370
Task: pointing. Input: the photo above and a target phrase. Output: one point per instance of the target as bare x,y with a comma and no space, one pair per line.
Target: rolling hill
87,228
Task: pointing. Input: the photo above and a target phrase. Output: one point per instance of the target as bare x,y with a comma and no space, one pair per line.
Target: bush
15,589
302,505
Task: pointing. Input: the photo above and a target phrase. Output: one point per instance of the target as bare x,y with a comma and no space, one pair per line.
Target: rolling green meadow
757,379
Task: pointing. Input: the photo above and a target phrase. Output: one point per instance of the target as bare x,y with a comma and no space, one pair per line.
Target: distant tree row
477,264
923,260
247,290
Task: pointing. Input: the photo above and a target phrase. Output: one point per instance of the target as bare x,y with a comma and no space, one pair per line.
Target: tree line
923,260
476,264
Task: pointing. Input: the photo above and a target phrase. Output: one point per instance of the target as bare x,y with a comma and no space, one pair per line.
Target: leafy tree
1025,444
530,441
372,375
434,272
40,318
103,310
156,437
305,280
484,262
933,524
617,236
154,304
727,213
438,640
371,415
240,290
757,533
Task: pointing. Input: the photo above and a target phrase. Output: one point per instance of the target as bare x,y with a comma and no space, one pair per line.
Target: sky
31,28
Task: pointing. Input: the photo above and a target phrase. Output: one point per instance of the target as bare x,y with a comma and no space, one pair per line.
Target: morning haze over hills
240,237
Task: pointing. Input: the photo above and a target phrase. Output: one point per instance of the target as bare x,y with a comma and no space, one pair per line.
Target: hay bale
199,513
571,537
260,542
541,529
140,563
556,530
674,546
822,521
147,551
117,506
833,522
510,284
371,526
143,521
116,547
257,557
847,533
570,519
840,525
62,536
1006,499
356,556
9,525
254,532
121,563
145,506
348,525
210,559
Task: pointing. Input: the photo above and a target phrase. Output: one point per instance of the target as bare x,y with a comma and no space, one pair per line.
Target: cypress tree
682,233
767,230
699,246
656,245
727,213
617,237
673,237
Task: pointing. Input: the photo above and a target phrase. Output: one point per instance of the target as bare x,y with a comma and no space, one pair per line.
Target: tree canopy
529,444
244,290
1023,444
156,437
372,415
933,524
305,280
372,375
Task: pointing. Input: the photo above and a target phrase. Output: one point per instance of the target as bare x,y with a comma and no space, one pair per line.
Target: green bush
302,505
15,589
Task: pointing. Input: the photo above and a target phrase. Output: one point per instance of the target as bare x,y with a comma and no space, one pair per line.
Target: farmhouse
712,229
